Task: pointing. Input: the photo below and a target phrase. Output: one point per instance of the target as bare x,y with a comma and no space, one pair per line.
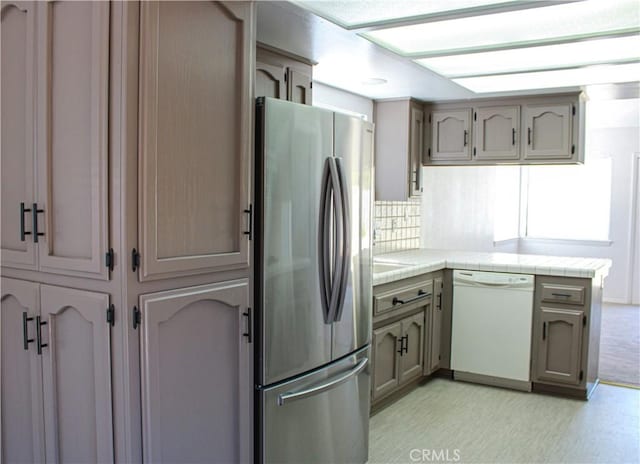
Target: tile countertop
424,260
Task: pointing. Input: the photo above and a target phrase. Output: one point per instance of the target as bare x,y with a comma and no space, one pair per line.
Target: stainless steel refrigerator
313,260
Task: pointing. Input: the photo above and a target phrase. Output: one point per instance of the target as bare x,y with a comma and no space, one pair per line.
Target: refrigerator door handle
324,264
318,388
338,242
346,245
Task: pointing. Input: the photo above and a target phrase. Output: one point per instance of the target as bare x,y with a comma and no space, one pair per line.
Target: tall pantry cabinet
126,231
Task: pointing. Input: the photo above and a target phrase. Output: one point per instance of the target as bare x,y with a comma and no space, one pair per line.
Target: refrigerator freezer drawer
321,417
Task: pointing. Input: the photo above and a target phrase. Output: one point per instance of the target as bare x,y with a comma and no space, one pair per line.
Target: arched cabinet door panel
549,131
270,81
18,131
559,345
451,135
413,356
196,107
196,374
76,366
21,415
497,133
386,359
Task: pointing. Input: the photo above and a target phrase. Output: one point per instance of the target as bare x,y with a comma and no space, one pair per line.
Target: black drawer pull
23,232
565,295
421,294
513,136
34,214
39,344
544,330
25,330
248,333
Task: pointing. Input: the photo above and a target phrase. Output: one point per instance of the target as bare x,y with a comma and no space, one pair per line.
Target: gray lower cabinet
56,374
386,365
432,349
22,413
398,354
196,374
412,356
560,345
566,335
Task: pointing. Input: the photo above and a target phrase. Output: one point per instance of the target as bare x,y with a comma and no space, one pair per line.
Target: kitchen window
568,202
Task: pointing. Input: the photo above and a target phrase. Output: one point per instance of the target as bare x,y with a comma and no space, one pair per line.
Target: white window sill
566,241
506,241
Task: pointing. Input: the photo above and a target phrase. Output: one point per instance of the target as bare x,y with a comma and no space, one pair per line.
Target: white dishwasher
491,328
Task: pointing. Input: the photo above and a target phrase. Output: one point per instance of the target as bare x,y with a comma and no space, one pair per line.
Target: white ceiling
345,60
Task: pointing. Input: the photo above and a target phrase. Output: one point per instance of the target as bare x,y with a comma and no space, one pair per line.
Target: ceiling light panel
352,14
552,79
567,55
567,21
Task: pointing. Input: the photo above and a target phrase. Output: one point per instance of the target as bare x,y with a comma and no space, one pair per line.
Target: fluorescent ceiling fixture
536,58
566,21
351,13
552,79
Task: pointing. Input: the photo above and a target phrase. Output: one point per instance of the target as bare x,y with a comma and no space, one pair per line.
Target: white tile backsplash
396,226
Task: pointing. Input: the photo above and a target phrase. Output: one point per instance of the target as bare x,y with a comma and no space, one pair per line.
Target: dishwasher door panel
491,332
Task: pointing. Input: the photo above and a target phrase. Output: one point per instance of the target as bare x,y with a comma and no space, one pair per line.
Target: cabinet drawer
568,294
404,297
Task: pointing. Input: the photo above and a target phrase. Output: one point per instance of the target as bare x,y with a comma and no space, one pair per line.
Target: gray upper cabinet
451,135
496,133
546,129
195,136
17,152
72,136
196,374
281,76
271,81
560,346
549,131
55,87
56,350
21,414
299,87
399,141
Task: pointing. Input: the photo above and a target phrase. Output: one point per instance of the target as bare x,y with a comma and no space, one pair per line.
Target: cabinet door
76,367
548,131
435,327
21,419
559,346
450,131
196,375
412,359
270,81
386,359
196,61
73,110
299,87
17,139
415,152
496,133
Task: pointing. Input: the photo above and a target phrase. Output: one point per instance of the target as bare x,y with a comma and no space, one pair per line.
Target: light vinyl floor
491,425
